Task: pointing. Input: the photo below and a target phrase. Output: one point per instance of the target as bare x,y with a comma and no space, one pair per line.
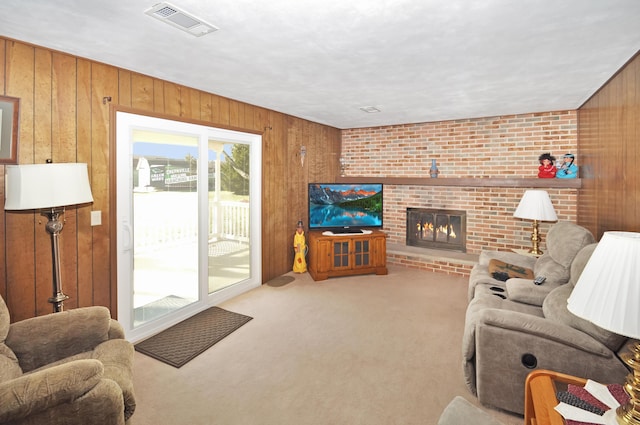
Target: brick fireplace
475,149
437,228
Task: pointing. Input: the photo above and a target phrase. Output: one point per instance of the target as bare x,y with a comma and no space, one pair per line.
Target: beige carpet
374,350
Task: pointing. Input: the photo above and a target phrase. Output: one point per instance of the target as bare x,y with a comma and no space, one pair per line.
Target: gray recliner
504,340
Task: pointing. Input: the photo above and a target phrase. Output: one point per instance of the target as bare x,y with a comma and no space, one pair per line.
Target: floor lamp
535,205
49,188
607,295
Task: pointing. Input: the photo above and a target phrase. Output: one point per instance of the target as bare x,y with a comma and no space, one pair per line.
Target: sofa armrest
117,357
116,331
540,327
45,388
46,339
525,291
477,311
460,411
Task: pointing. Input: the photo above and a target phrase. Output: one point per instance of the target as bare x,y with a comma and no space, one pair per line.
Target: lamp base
535,240
535,251
54,227
629,414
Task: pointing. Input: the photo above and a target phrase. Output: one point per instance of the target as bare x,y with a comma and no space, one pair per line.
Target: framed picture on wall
9,110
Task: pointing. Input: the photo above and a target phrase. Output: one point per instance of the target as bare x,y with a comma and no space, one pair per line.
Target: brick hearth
434,260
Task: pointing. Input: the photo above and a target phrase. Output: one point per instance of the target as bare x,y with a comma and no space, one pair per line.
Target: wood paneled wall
609,154
65,116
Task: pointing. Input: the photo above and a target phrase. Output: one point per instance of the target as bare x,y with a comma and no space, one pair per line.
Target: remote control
539,280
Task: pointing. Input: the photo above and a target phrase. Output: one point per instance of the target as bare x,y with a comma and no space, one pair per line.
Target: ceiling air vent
370,109
176,17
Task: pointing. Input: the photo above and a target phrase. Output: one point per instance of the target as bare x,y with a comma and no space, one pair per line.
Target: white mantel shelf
468,181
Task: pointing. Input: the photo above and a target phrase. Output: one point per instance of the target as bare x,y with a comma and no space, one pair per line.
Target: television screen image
345,207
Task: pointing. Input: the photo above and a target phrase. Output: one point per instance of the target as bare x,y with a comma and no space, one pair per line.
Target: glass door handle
127,244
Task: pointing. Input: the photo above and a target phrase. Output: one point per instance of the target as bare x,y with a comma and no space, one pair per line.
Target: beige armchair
460,412
73,367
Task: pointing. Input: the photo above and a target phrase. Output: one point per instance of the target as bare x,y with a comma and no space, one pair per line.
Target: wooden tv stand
345,255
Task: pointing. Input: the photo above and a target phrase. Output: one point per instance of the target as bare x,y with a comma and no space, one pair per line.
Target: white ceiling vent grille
370,109
176,17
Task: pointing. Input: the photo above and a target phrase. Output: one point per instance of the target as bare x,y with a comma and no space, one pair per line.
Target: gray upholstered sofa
564,241
73,367
508,334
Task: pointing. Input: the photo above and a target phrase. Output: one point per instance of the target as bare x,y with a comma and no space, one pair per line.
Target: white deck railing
227,221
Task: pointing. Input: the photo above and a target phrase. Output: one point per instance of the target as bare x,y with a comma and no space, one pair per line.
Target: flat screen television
345,208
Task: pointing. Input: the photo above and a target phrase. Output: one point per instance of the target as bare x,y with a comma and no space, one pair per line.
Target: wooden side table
540,396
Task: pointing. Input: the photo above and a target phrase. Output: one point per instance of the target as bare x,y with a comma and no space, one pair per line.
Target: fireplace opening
437,228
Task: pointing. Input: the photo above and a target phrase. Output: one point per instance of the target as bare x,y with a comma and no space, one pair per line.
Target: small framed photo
9,113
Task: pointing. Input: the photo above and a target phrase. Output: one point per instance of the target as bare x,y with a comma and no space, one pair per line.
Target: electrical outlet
96,218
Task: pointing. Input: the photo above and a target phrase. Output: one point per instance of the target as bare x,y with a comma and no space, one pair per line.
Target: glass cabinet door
341,254
361,253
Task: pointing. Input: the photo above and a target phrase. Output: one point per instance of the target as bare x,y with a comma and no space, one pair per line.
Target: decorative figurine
300,248
433,171
568,170
547,170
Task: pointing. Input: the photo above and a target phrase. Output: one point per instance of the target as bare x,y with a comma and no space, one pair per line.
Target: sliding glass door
188,219
164,207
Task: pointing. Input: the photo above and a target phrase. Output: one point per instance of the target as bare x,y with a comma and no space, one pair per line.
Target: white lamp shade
37,186
536,205
608,291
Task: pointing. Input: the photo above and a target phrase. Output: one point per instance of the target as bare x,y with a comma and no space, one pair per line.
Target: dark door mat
280,281
186,340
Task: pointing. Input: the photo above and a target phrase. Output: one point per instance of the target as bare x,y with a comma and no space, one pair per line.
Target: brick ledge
468,181
436,260
433,254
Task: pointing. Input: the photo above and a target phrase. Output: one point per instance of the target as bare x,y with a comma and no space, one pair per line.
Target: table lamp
535,205
49,188
608,295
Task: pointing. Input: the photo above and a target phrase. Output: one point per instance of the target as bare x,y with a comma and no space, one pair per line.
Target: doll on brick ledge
547,170
568,169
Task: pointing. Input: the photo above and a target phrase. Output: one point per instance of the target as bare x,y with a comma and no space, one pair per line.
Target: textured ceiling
415,60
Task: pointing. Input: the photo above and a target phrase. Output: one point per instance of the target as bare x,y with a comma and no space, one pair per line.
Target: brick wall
505,146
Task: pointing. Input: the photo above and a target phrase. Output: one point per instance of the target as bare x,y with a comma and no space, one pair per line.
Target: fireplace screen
437,228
